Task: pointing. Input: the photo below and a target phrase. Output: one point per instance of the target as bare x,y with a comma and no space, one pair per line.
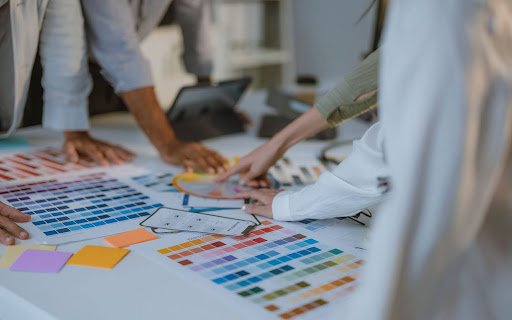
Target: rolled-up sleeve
193,16
339,104
65,79
113,41
351,187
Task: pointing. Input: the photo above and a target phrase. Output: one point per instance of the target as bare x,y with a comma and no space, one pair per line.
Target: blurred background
272,41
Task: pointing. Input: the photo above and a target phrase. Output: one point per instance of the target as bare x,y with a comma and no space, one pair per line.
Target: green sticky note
13,143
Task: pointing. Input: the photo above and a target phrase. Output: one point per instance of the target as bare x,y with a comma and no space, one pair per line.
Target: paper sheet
74,207
201,203
43,261
13,252
98,257
274,270
128,238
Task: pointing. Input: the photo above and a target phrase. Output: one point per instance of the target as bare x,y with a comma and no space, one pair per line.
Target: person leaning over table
55,29
114,29
355,94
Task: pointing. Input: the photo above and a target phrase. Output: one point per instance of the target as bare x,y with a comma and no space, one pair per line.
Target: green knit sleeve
339,103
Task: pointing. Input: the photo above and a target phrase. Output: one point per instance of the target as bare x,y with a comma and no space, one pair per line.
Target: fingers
6,238
70,152
265,210
124,154
96,155
231,172
13,214
12,228
112,156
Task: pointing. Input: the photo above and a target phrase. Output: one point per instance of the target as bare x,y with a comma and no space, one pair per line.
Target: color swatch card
297,173
98,257
274,270
69,208
157,181
128,238
37,163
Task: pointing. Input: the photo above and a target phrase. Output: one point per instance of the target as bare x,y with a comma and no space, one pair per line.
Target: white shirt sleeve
351,187
66,79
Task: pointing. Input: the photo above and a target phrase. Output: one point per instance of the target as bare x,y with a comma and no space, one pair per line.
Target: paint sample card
37,163
41,261
128,238
69,208
273,270
13,252
199,203
98,257
296,172
13,143
157,181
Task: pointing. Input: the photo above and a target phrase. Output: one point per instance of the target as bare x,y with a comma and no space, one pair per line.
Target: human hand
9,230
80,144
264,199
193,156
253,167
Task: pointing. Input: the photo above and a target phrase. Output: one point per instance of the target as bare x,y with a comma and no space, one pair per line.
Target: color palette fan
71,208
204,185
273,269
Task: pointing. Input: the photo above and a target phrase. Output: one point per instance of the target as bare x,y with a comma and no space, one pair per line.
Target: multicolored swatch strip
285,272
71,204
38,163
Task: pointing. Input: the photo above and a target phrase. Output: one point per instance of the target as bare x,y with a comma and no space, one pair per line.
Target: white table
133,289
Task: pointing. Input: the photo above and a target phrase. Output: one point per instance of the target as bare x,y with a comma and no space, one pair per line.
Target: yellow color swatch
98,257
126,239
13,252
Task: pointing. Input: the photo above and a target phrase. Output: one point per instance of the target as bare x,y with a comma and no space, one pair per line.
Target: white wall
328,42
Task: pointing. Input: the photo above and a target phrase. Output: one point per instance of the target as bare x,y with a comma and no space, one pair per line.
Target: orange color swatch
98,257
126,239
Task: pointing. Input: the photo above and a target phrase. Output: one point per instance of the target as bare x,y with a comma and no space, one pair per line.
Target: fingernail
8,240
23,234
243,207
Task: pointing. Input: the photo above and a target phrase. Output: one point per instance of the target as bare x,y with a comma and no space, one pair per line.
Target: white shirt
56,26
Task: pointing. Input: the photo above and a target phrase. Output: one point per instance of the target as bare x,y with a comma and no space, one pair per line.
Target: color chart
37,163
69,208
297,173
274,269
157,181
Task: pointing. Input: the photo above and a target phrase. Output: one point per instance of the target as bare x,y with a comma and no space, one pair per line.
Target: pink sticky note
41,261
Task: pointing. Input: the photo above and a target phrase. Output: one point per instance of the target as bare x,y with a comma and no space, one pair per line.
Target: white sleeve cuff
281,207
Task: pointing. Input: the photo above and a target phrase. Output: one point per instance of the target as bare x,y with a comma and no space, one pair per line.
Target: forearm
305,126
144,106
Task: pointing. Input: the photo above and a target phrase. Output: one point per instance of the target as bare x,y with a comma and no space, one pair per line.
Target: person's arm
354,95
67,83
112,38
351,187
193,16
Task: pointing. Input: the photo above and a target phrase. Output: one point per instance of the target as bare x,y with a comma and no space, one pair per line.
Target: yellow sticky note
126,239
98,257
13,252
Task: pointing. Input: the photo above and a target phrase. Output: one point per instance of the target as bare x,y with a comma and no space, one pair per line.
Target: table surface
134,289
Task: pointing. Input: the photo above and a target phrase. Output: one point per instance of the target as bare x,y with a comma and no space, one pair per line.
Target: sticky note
98,257
41,261
13,252
126,239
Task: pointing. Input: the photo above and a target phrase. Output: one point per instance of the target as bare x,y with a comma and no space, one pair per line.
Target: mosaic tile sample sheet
274,269
69,208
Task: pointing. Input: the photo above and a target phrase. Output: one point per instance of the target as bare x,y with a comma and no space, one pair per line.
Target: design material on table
14,142
13,252
126,239
274,268
297,173
41,261
98,257
157,181
72,208
203,185
38,163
